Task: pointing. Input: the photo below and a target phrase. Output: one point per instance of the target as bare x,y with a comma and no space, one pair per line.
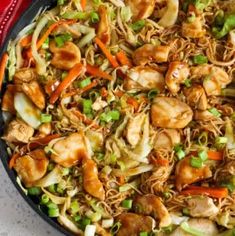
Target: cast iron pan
24,20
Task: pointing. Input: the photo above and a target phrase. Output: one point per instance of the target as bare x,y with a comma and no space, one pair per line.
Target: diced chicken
72,29
91,182
144,78
205,226
141,9
45,129
193,29
214,77
151,53
70,150
204,115
196,97
134,128
25,75
185,174
65,57
177,73
32,166
202,207
132,224
8,99
18,131
151,205
104,31
170,113
34,91
167,139
170,14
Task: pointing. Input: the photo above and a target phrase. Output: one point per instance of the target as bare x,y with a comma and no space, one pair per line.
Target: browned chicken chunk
196,97
132,224
104,32
152,205
193,29
185,174
70,150
170,113
65,57
34,91
25,75
151,53
18,131
31,167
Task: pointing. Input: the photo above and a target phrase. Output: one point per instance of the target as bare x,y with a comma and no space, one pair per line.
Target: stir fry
120,116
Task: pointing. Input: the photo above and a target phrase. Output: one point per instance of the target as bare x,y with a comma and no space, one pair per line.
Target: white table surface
16,216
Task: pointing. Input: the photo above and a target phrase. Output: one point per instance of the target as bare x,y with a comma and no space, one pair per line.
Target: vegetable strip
13,160
123,59
95,71
3,65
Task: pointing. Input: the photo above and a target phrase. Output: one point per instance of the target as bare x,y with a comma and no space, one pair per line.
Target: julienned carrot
211,192
48,32
89,86
106,52
72,75
3,65
13,160
83,4
85,120
215,155
159,161
38,142
24,42
123,59
133,102
97,72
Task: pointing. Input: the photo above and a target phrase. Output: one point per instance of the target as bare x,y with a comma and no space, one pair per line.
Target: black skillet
24,20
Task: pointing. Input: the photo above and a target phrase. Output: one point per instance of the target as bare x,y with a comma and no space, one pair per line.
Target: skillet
24,20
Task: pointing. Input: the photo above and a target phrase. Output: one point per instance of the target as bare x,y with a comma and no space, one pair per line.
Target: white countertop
16,216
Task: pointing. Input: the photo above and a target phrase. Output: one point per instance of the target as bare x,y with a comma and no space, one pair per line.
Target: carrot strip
47,33
211,192
214,155
133,102
3,65
89,86
95,71
13,160
119,93
83,4
104,92
106,52
72,75
123,59
26,40
38,142
85,120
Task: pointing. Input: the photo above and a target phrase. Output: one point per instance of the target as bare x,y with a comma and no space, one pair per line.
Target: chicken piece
193,29
18,131
34,91
167,139
170,113
214,77
8,99
151,205
132,224
104,31
25,75
91,182
31,167
144,78
170,14
65,57
151,53
185,174
134,128
70,150
72,29
45,129
205,226
177,73
141,9
196,97
204,115
202,207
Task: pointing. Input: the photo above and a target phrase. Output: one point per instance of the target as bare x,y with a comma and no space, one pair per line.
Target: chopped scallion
46,118
51,188
203,139
45,45
221,140
74,206
179,151
75,15
115,228
196,162
127,203
152,94
110,116
143,234
200,59
202,155
84,222
77,218
84,83
138,25
53,212
214,112
94,17
60,2
44,199
188,83
87,106
34,191
65,171
61,39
